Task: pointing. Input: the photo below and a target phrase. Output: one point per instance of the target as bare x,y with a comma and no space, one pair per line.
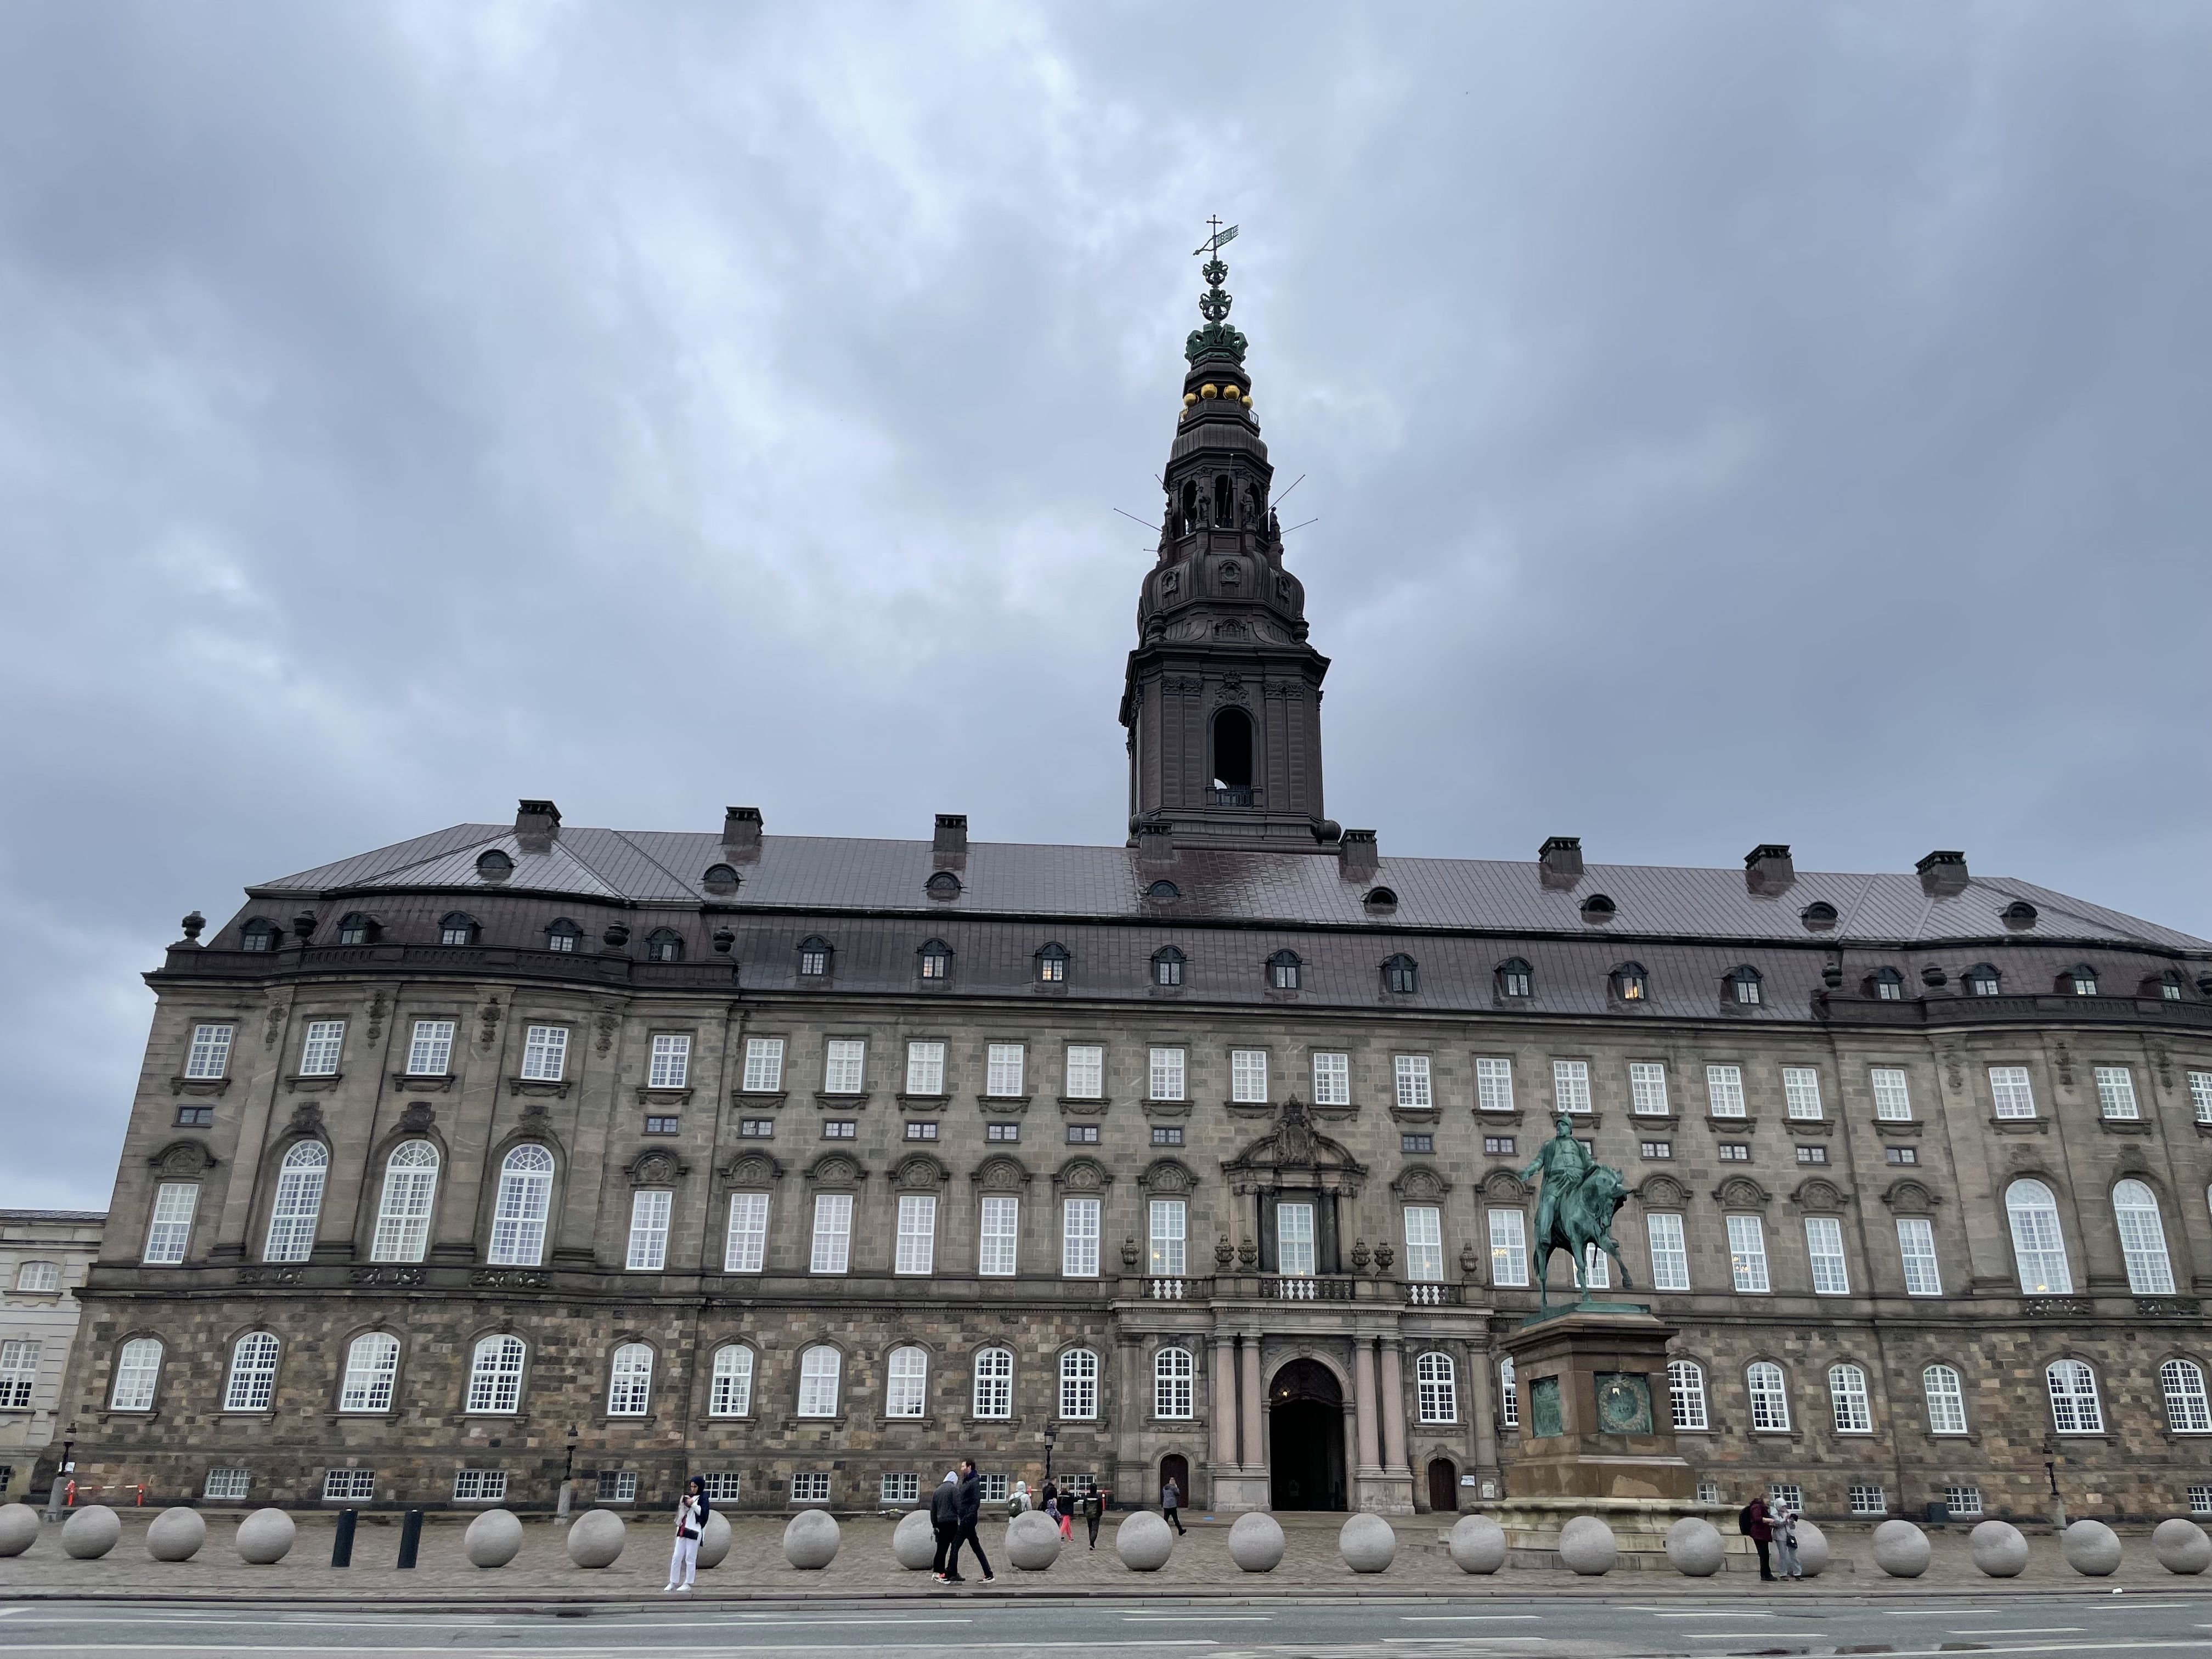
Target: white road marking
2026,1630
1458,1617
1720,1612
1198,1618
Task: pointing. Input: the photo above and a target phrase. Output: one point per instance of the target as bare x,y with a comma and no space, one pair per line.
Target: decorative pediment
1000,1175
307,1120
920,1172
1419,1184
183,1157
752,1169
1504,1187
1742,1193
1819,1193
419,1115
1167,1177
1662,1190
656,1169
1082,1174
835,1169
1910,1198
1295,1155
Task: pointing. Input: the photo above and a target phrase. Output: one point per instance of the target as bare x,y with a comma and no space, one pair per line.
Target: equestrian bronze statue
1575,1208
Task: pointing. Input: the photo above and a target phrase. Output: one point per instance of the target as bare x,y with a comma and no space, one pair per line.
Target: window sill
1167,1108
1249,1108
199,1086
1655,1119
314,1083
758,1099
1004,1105
1083,1106
435,1083
1810,1126
2020,1125
830,1103
1730,1125
2124,1126
923,1102
1423,1115
553,1088
1897,1126
647,1095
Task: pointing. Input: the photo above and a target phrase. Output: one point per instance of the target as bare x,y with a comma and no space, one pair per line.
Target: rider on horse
1563,1162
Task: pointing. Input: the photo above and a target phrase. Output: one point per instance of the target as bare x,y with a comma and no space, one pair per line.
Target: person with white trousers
691,1512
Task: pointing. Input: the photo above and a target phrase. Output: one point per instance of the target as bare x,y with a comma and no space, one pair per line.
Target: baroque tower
1222,698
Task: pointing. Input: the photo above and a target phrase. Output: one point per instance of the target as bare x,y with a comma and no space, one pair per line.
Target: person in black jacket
945,1522
971,1508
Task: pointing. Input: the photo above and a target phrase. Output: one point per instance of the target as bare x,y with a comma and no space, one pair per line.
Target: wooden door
1443,1486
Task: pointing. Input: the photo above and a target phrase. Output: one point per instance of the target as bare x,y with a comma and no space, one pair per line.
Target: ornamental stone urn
91,1531
1255,1542
1144,1542
1693,1548
1812,1549
2181,1546
1477,1544
494,1539
176,1534
264,1537
1998,1549
1587,1546
595,1539
1901,1549
19,1529
1367,1544
2091,1548
914,1540
1032,1540
714,1541
811,1541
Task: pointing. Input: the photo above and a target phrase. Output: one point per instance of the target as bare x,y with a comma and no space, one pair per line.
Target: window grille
746,1245
1724,1090
1086,1071
1801,1092
1892,1102
763,1065
917,1232
1847,1400
1078,1384
1001,1237
1167,1257
545,1053
430,1047
320,1048
170,1229
906,1383
995,1383
210,1054
348,1486
1945,1395
1171,1383
648,1231
298,1203
1413,1076
1436,1386
1747,1237
1869,1500
818,1370
1685,1393
1670,1254
1769,1396
228,1485
495,1376
1646,1088
833,1233
371,1367
1916,1246
526,1188
925,1068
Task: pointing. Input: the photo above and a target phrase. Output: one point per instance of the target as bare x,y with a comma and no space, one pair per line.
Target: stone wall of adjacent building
32,1242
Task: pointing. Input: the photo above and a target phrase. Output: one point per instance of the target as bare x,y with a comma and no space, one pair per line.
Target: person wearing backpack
1753,1522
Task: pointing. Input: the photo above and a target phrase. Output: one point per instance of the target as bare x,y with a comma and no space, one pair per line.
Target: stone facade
44,1255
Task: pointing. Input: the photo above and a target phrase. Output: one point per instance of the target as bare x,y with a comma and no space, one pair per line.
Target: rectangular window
545,1053
348,1485
1294,1240
1413,1143
1686,1402
1900,1155
1248,1076
1167,1134
1083,1135
833,1233
19,1374
1963,1500
1655,1148
1508,1247
901,1489
616,1487
227,1484
842,1066
722,1488
479,1485
1747,1253
2009,1092
2199,1500
1892,1102
1812,1154
1724,1090
1670,1256
1646,1088
648,1231
755,1128
1167,1075
196,1117
1498,1146
1001,1235
811,1487
319,1054
841,1128
1824,1244
2200,1095
1001,1132
921,1128
210,1054
430,1048
663,1126
763,1066
1735,1151
1916,1244
747,1244
925,1068
1425,1243
671,1062
1086,1071
1167,1236
1493,1084
1078,1238
917,1234
993,1487
1413,1083
171,1228
1801,1092
1570,1085
1003,1071
2116,1092
1332,1079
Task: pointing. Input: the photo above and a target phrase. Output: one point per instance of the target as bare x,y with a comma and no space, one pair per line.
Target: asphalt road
1226,1628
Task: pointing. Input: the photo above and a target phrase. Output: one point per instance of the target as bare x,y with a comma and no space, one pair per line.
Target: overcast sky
1727,424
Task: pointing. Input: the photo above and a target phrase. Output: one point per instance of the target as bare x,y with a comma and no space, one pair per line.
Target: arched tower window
664,945
1232,753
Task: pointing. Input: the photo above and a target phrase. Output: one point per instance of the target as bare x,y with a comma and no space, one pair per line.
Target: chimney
1560,861
1156,842
535,824
1942,874
1767,870
741,833
951,843
1357,855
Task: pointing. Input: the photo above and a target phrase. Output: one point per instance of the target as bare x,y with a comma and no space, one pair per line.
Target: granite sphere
1693,1548
1587,1546
1144,1542
176,1534
914,1540
2091,1548
1477,1544
1998,1548
1811,1548
713,1540
1033,1541
264,1537
596,1538
1255,1542
2181,1546
494,1539
19,1529
1367,1544
91,1531
810,1542
1901,1549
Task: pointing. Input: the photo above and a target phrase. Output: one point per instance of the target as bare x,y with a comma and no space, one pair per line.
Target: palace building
811,1164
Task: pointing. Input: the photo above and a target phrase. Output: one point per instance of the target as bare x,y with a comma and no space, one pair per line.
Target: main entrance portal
1305,1418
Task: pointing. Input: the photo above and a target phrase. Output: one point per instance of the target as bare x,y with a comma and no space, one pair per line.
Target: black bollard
342,1543
410,1537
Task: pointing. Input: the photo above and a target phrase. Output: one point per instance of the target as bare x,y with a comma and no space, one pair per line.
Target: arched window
814,957
402,1218
720,878
629,1381
299,1201
258,934
495,1376
2142,1239
942,885
1630,982
1685,1393
934,960
1770,1395
995,1383
455,927
1847,1399
372,1365
1516,978
518,1222
818,1369
1819,915
1162,890
2081,979
1078,1385
730,1391
2020,914
1509,1397
1380,898
664,945
1402,976
2187,1410
564,936
2038,1248
1945,1396
1746,986
1051,964
1597,908
494,865
1284,969
1167,965
2074,1405
1887,985
356,929
906,1393
2169,987
137,1369
1171,1383
1232,756
252,1384
1436,1380
1983,980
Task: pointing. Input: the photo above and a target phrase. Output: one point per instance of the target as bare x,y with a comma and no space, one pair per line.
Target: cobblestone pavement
865,1568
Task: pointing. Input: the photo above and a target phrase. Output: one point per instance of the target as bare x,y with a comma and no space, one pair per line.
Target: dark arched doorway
1176,1468
1305,1427
1232,754
1443,1486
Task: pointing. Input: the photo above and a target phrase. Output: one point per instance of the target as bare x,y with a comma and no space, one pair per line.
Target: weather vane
1213,244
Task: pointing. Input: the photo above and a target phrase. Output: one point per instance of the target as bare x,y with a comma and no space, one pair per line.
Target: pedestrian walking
970,1508
1171,1504
1094,1509
1781,1522
945,1523
1047,1493
1754,1523
691,1511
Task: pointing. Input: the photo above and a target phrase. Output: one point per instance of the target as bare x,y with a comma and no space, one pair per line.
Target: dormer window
1380,898
1983,980
1630,982
2081,981
942,885
1818,916
1747,989
1164,889
1167,965
494,865
1888,985
258,934
563,936
2020,914
1052,965
720,878
1598,908
1284,969
814,957
664,945
2169,987
1402,976
1516,978
935,959
355,929
456,928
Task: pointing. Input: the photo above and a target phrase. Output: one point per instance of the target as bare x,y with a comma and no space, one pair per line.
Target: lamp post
567,1477
62,1473
1050,1434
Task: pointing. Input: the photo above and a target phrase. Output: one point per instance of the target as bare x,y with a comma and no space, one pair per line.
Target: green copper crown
1216,338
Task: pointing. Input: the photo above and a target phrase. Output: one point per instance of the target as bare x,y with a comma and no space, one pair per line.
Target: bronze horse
1584,1217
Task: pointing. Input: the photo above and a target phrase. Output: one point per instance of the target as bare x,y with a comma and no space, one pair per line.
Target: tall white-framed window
819,1369
1769,1396
995,1383
925,1068
1167,1074
1168,1253
1893,1101
745,1248
2142,1239
1847,1400
2038,1246
169,1229
670,1067
372,1370
1945,1393
906,1387
1724,1090
1646,1088
1086,1070
1824,1246
525,1192
1000,1239
208,1054
1002,1071
320,1048
648,1229
1570,1085
430,1047
1436,1387
1493,1084
1171,1383
1294,1240
1509,1397
1078,1385
38,1277
1685,1393
1248,1076
137,1369
545,1053
1670,1253
252,1384
1078,1238
1411,1071
2187,1410
1597,1271
763,1066
833,1233
1916,1246
298,1203
917,1234
730,1394
629,1381
2074,1405
2011,1095
1747,1236
1425,1243
1332,1079
1508,1247
495,1376
844,1065
1801,1092
2116,1093
2200,1095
